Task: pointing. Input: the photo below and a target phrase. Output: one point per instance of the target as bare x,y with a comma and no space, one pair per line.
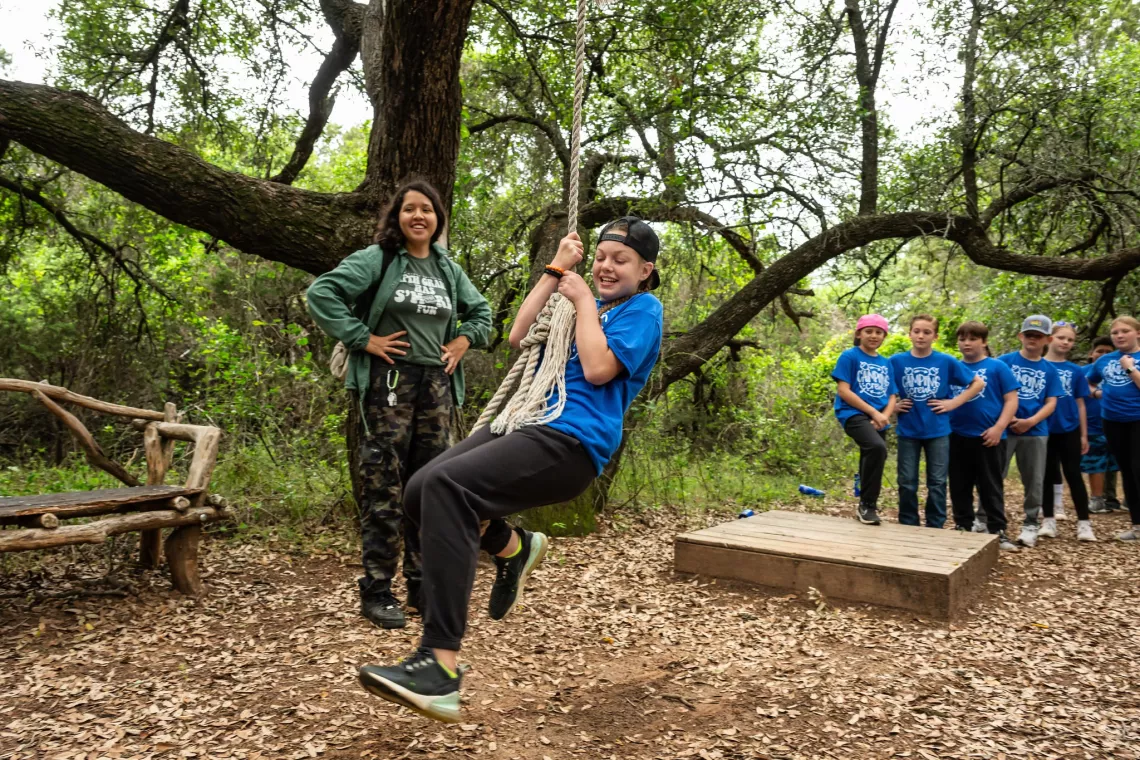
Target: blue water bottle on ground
745,513
809,491
858,490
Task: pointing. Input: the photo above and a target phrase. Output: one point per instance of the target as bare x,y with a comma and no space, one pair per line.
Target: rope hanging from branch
554,327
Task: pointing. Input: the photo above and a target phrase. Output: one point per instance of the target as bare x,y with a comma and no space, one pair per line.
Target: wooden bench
148,508
932,572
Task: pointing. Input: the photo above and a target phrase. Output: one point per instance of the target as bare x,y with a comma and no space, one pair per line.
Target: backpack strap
363,305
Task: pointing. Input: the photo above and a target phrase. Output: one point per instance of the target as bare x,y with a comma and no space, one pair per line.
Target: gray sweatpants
1030,451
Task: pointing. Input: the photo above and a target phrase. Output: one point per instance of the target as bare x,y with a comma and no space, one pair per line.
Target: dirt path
611,656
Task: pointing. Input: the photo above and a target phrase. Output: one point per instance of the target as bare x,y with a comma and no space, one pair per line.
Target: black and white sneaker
511,574
419,683
383,611
1005,544
868,515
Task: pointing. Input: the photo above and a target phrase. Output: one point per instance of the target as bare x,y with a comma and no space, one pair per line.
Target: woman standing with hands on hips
407,314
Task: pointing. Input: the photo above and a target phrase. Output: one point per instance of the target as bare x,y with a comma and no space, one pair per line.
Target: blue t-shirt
869,377
1039,380
594,413
1074,385
923,380
1092,409
1121,399
981,413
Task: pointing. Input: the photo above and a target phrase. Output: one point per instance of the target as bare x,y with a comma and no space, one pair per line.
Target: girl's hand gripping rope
569,252
574,288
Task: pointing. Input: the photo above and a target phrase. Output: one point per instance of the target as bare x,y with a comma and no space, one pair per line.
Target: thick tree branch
346,18
1106,307
321,101
592,171
553,134
688,352
664,210
304,229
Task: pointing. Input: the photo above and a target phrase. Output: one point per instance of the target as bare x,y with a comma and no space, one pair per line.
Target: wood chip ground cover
609,656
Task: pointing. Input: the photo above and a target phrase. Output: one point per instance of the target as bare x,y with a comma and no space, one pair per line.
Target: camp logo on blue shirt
870,379
1032,382
594,413
1039,381
1121,400
1067,416
874,379
981,412
922,379
921,383
956,390
1114,374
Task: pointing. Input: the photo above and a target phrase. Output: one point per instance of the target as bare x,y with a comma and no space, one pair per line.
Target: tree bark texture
868,115
412,55
301,228
411,52
969,113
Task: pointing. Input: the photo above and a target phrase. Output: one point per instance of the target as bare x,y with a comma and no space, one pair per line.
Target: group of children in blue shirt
970,418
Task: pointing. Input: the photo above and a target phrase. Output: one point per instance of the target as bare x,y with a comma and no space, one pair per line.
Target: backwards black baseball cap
640,237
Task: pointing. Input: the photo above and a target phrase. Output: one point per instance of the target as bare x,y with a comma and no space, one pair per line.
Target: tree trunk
868,114
411,53
544,240
969,114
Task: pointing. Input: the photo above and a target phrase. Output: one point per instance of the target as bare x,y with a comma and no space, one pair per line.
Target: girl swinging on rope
527,458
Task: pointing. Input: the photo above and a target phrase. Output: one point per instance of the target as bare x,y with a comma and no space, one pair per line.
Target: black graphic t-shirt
421,306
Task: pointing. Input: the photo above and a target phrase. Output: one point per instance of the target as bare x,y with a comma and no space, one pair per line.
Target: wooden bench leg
150,548
182,555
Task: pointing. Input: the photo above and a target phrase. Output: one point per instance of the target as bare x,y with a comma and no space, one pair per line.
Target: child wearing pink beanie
863,405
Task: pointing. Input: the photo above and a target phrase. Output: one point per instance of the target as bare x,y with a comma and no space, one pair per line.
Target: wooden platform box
932,572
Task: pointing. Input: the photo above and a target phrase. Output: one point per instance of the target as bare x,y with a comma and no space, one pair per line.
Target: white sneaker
980,524
1028,537
1132,534
1059,513
1085,531
1058,496
1048,528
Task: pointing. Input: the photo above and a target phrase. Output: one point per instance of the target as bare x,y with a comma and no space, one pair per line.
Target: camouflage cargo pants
399,439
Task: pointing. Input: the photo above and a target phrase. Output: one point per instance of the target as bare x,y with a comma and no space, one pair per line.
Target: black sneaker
511,574
418,683
868,515
383,611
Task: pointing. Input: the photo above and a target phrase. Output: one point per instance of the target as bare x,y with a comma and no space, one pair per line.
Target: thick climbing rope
554,328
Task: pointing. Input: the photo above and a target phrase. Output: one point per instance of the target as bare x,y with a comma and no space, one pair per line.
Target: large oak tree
699,126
